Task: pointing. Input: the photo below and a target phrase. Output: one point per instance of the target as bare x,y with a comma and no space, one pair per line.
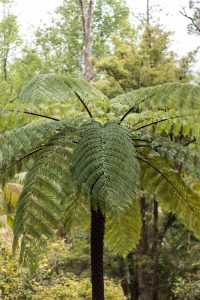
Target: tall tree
82,166
79,31
133,65
9,36
86,17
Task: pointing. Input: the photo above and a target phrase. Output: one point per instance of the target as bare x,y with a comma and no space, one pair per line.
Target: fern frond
161,180
48,197
63,90
161,97
178,154
123,229
171,122
104,166
17,144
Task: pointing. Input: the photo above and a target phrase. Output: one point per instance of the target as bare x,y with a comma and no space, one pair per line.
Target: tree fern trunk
97,236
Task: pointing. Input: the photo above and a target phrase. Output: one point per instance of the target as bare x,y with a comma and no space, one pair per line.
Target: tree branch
183,13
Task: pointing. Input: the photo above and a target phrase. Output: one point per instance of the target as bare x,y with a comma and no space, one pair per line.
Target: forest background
116,56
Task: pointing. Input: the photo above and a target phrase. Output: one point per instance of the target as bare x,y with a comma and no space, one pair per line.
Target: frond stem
81,100
190,142
132,109
33,114
162,120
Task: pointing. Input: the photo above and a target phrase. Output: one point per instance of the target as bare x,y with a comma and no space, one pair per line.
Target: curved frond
184,122
104,166
176,96
123,229
63,90
48,198
161,180
17,144
180,155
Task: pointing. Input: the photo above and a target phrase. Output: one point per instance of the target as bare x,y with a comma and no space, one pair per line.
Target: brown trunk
143,257
134,290
149,251
97,236
123,275
86,15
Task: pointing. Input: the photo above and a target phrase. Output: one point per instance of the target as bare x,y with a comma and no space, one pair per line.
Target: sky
31,13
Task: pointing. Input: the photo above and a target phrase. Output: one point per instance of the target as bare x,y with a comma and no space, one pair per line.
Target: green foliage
178,265
19,144
173,108
104,166
172,193
61,43
95,163
123,229
50,281
140,59
48,197
176,96
48,90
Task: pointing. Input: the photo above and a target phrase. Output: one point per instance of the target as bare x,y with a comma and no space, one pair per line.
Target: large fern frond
63,90
18,144
176,96
48,198
184,122
161,180
104,166
181,155
123,229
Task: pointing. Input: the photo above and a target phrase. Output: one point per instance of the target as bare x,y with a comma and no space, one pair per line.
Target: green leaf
48,198
123,229
104,166
60,89
172,193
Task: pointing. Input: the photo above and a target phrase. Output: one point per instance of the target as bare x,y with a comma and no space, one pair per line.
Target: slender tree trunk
86,16
149,251
123,275
143,258
134,289
97,236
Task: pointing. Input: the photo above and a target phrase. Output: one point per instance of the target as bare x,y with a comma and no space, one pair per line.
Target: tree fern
95,165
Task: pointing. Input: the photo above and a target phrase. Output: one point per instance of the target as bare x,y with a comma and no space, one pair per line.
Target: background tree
194,17
141,62
63,44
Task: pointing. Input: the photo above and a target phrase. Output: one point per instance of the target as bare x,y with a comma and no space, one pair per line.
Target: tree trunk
134,290
97,236
144,260
123,275
86,16
149,250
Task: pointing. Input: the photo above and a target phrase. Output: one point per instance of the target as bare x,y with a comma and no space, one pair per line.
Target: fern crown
74,163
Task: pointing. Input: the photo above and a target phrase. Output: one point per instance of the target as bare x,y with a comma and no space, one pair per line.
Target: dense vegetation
163,124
